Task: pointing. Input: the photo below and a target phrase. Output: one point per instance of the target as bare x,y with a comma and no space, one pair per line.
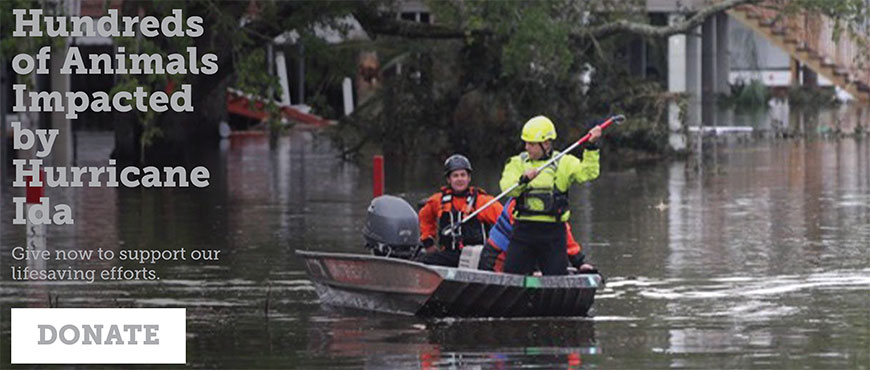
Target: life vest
500,234
472,232
541,197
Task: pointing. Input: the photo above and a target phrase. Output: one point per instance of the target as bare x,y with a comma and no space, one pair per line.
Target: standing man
494,252
542,207
447,207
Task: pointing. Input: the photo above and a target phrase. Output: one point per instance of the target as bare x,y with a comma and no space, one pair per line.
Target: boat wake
731,287
746,298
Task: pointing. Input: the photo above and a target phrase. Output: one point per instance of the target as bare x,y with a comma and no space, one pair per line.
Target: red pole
33,193
35,231
378,173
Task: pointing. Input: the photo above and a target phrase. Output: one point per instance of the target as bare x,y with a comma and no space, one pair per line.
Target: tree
508,61
236,31
472,77
519,59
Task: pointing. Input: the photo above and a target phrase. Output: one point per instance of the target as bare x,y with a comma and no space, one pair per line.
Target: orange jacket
431,212
571,244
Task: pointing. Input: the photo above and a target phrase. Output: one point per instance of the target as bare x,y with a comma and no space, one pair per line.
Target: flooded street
752,253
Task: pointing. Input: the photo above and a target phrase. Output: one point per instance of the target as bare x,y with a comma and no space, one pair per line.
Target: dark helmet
456,162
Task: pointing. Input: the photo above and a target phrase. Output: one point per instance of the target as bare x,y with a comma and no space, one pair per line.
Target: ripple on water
748,286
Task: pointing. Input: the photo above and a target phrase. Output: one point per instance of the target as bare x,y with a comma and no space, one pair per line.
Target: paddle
452,230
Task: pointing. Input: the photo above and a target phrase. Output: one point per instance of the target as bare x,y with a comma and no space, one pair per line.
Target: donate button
98,336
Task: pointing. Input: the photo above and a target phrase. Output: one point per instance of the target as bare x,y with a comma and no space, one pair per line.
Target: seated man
446,208
494,252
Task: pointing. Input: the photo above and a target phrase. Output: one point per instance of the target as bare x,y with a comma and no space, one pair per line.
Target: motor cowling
392,228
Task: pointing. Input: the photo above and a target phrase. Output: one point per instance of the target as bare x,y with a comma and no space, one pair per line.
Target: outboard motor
392,228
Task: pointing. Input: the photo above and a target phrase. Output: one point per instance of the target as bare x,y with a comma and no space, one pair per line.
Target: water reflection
388,342
781,119
752,252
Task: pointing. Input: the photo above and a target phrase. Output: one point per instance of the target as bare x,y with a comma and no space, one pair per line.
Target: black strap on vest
555,202
447,196
454,216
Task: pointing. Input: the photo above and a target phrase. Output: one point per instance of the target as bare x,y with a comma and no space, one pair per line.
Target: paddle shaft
567,150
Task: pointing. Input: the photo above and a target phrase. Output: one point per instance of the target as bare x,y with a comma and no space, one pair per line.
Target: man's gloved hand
578,261
587,269
593,144
528,176
428,242
428,245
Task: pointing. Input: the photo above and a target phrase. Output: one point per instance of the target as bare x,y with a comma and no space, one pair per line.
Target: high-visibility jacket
444,208
545,198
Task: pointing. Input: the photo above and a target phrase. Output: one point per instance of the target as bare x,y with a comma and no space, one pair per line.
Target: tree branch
664,31
376,23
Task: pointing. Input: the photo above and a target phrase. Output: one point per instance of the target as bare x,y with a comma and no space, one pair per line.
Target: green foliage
252,76
851,17
645,104
538,45
254,79
235,30
816,97
755,96
11,46
151,82
397,118
517,59
533,41
474,95
851,10
748,96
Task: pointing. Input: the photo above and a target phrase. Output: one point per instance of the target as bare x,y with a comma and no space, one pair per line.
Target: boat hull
403,287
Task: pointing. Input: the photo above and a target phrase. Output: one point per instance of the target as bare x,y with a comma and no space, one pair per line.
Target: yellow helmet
538,129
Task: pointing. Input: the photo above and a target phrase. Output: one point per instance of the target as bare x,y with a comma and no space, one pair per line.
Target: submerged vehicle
388,281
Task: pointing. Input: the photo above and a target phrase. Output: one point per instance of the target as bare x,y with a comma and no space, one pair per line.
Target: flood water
752,253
